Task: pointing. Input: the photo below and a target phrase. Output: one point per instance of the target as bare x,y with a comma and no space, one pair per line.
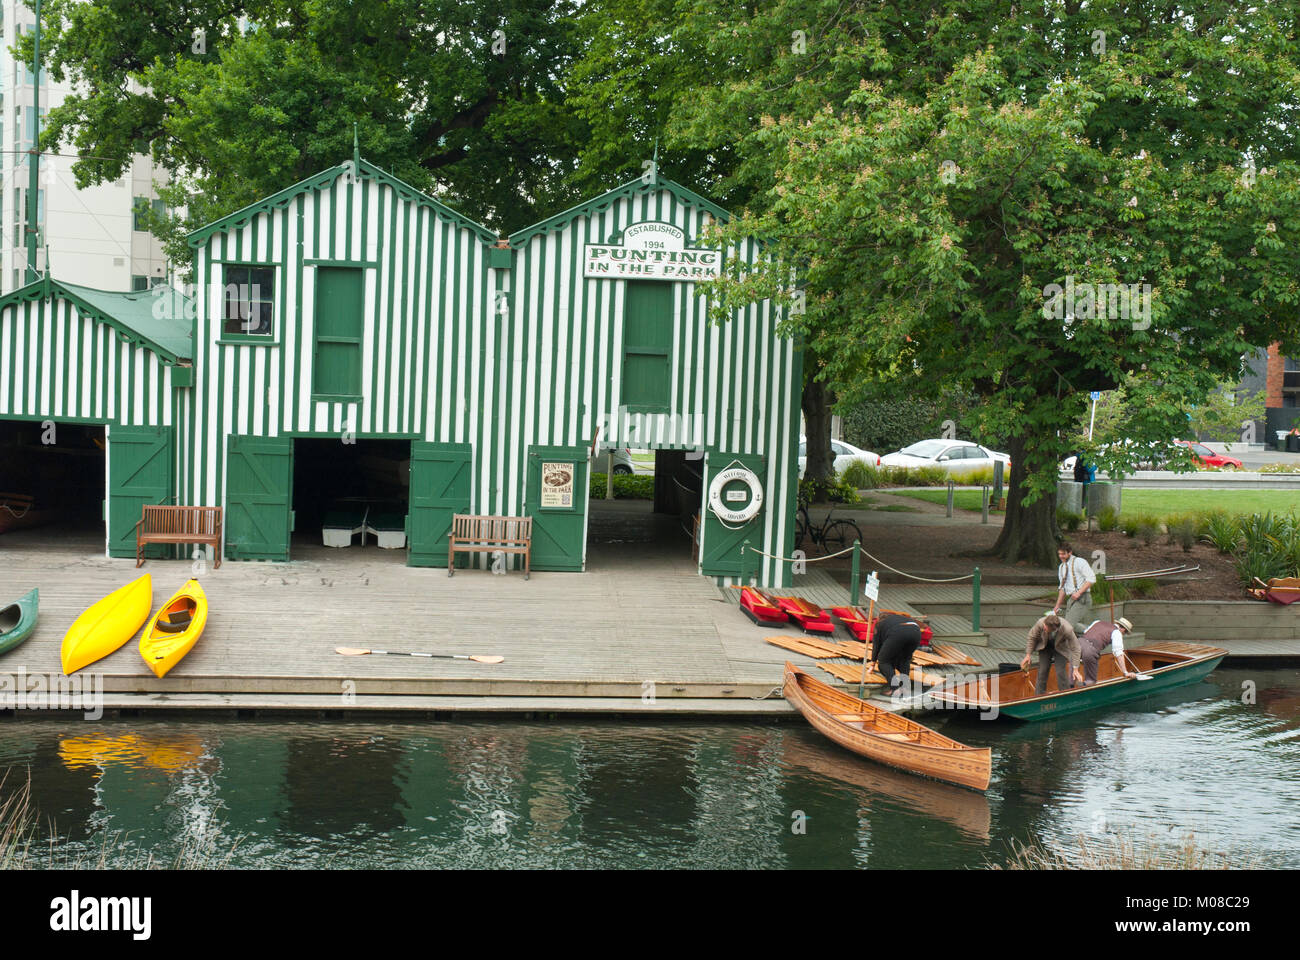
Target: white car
622,461
955,456
845,454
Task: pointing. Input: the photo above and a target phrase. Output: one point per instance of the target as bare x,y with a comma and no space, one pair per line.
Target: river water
500,793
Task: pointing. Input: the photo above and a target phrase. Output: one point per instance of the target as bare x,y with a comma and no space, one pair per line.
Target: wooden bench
173,524
479,534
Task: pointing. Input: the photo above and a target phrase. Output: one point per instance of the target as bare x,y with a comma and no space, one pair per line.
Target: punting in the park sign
650,250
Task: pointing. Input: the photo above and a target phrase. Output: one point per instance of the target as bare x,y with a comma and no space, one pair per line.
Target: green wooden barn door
556,499
440,487
722,541
259,491
141,470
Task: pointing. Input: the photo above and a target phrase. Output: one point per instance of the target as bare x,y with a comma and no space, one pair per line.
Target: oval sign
717,501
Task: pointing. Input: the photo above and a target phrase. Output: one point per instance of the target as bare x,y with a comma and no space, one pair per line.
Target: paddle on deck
360,652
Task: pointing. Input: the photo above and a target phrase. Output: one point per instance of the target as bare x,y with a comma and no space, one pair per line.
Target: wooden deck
640,632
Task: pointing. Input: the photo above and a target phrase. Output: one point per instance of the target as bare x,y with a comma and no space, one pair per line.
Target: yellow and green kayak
175,628
18,620
107,624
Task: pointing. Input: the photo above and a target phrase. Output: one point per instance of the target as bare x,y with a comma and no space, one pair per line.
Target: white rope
800,559
10,510
828,556
913,576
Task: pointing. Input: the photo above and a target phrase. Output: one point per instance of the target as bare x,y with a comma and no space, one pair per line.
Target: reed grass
1124,851
211,849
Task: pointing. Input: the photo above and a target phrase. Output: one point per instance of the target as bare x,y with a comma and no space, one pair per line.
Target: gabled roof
631,189
324,179
162,318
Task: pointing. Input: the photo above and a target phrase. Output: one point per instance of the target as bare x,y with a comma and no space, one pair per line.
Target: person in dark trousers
1054,640
895,640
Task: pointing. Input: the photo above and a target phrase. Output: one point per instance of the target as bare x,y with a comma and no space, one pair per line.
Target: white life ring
750,510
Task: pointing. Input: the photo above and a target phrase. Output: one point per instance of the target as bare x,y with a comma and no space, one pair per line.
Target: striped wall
59,364
456,350
735,386
426,286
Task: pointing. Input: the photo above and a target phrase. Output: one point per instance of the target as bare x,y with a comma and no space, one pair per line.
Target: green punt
17,621
1168,664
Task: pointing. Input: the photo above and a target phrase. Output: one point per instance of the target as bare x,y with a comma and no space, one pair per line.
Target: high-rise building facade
91,235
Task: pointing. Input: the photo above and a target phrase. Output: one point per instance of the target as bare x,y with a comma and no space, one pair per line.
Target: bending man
895,640
1099,635
1055,642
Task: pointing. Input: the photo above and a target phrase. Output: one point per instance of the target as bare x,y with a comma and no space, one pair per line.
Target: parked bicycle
832,535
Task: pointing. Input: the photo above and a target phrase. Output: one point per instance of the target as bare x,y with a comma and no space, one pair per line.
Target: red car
1203,456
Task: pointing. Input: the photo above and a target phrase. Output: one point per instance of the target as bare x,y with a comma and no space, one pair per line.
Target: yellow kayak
107,624
175,628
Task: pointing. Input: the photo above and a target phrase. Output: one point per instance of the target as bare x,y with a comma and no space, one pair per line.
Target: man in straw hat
1100,635
1054,640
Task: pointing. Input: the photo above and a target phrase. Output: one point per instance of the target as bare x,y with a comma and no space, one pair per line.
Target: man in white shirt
1075,579
1095,639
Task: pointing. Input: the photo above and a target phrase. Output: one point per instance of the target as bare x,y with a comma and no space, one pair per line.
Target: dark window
139,283
250,301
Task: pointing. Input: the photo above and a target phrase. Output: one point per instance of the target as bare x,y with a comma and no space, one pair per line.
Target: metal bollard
975,601
984,505
950,489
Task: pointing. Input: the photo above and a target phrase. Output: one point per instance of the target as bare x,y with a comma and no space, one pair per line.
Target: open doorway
652,518
351,495
52,481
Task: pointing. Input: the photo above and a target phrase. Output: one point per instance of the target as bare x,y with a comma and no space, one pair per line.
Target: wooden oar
359,652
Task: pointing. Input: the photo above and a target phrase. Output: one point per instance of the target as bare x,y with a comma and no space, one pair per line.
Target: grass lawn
1155,503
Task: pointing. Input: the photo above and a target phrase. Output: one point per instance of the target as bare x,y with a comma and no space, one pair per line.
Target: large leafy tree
236,100
992,160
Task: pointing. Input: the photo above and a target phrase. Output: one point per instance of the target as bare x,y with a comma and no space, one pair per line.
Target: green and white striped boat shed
73,355
352,307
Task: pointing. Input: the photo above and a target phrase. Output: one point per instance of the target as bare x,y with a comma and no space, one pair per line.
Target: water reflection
497,793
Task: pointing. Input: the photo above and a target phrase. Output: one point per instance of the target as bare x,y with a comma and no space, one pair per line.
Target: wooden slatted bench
480,534
174,524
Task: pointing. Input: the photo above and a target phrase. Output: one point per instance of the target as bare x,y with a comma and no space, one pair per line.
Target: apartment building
92,235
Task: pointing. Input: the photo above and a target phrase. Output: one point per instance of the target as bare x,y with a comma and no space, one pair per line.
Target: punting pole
866,651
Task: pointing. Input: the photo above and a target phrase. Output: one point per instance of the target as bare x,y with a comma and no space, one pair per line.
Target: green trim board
283,198
598,205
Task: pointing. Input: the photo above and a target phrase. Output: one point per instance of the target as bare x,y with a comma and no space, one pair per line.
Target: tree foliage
238,100
986,154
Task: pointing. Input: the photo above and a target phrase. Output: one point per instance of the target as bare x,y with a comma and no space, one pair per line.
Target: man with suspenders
1075,578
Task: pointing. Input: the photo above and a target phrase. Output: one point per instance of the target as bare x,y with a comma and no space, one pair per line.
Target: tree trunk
1029,531
817,401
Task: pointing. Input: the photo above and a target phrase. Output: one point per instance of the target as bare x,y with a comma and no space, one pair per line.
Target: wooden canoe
107,624
885,737
18,620
1168,664
175,628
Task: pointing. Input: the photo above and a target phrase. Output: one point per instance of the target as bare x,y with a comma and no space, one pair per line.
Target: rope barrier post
744,578
998,467
975,601
950,488
854,576
984,505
